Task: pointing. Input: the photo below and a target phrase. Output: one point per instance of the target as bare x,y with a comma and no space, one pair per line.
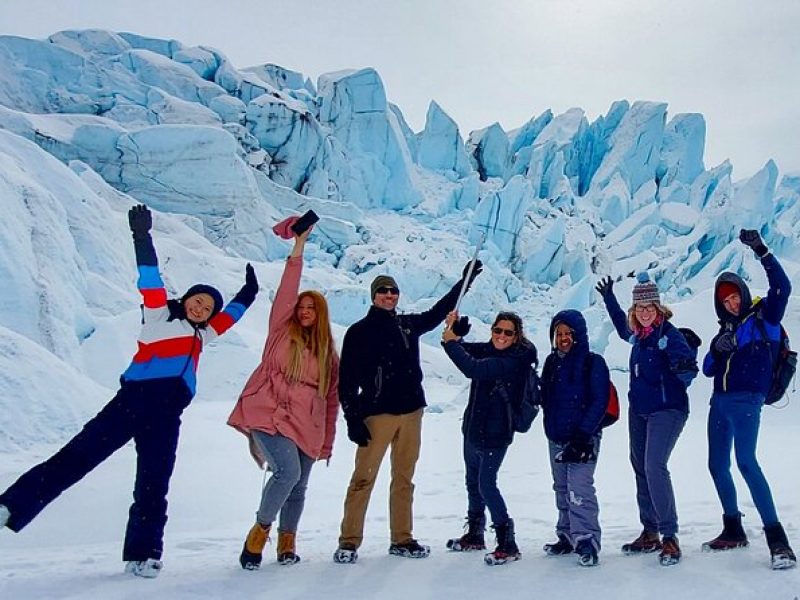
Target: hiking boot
647,542
732,536
410,549
257,538
472,538
670,551
587,553
507,550
5,515
781,555
560,548
345,554
149,568
286,548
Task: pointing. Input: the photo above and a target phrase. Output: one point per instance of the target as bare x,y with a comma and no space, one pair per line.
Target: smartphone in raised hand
304,222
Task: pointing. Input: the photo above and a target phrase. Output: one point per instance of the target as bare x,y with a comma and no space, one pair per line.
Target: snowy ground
73,549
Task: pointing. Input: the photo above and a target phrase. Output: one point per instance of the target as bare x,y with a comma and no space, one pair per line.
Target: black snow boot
732,536
473,538
781,553
560,548
507,550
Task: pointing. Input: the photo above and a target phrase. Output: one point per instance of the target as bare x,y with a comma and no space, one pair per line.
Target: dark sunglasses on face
387,290
505,332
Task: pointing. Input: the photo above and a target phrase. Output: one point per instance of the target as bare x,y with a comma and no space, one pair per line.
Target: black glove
250,280
476,270
140,220
357,431
605,287
247,294
577,451
724,342
751,238
461,327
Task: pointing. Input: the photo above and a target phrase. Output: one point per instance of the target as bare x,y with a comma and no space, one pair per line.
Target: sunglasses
387,290
505,332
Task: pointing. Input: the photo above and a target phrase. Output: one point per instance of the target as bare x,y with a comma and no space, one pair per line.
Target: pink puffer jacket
270,403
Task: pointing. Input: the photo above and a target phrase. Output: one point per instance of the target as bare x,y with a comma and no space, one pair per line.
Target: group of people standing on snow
289,406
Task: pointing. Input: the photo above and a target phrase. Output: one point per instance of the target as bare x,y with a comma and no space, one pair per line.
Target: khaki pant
403,433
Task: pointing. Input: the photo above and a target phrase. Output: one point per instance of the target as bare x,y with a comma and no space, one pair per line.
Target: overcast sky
735,61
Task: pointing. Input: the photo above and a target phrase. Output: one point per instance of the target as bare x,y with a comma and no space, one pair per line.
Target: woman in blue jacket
575,391
662,365
498,370
740,360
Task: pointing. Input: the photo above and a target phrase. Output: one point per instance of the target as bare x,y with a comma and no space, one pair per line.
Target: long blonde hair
663,313
317,338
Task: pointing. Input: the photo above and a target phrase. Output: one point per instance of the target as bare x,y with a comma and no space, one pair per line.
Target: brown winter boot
648,541
286,548
257,538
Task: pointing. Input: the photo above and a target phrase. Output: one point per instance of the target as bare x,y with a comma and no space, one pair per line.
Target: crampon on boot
732,536
507,550
560,548
648,541
781,554
473,536
257,538
286,548
670,551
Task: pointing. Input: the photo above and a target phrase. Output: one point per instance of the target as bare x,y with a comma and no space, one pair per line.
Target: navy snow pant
652,438
149,413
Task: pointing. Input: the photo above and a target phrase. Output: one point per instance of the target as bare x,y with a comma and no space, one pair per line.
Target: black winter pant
149,413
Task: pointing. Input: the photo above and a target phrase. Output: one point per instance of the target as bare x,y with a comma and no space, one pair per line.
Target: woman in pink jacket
288,408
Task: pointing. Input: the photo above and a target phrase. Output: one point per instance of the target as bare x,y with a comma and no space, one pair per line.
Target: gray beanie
381,281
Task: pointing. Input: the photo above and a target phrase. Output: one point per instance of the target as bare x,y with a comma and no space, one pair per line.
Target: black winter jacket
380,371
498,377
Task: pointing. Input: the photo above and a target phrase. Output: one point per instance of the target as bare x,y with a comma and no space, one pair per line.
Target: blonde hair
317,338
663,313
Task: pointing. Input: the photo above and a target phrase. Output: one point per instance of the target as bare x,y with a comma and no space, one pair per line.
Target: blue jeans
286,489
733,423
482,466
652,438
576,500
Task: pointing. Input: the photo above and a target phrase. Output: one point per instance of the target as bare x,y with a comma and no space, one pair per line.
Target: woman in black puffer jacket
498,370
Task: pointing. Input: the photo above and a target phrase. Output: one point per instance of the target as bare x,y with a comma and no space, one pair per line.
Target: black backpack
523,414
784,364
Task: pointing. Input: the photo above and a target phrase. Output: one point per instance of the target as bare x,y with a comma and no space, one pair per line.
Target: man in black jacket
380,389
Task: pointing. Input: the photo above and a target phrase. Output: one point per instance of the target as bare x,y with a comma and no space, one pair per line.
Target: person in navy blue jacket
741,361
498,370
575,394
662,365
154,390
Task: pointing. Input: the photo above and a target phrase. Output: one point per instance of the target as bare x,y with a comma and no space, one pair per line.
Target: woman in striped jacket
154,390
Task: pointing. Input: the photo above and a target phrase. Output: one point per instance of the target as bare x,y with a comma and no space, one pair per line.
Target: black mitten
577,451
461,327
751,238
476,270
724,342
357,431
